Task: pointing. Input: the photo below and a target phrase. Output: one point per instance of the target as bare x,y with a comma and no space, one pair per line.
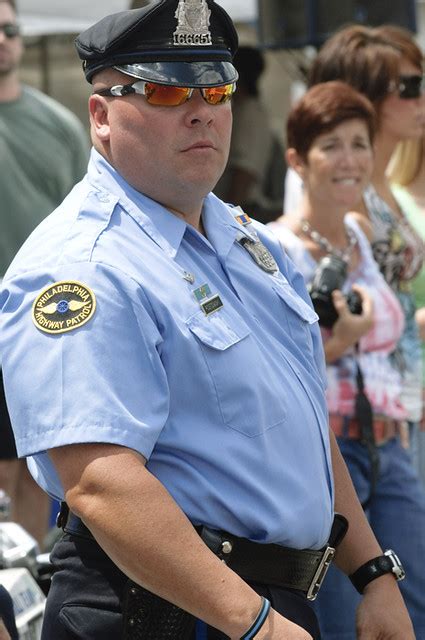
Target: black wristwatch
388,563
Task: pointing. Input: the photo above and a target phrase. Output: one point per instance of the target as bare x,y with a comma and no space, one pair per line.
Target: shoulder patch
63,306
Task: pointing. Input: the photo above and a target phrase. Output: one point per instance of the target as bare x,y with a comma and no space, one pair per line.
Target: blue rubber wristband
259,620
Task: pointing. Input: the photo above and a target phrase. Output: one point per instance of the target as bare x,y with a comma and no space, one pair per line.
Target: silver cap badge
193,18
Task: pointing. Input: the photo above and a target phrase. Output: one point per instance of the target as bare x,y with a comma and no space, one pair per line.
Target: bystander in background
254,174
43,153
384,64
330,138
407,174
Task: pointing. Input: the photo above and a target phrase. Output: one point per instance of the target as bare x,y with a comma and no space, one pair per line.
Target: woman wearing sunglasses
386,65
330,138
407,175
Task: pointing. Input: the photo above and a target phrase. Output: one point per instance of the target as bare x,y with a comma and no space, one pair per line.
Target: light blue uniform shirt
229,408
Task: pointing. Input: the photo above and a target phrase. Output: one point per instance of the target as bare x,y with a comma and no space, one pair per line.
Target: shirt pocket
247,382
297,313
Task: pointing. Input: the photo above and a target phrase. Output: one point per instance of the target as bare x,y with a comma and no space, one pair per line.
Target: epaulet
257,243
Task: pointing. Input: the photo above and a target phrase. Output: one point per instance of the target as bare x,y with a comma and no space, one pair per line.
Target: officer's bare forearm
360,544
148,537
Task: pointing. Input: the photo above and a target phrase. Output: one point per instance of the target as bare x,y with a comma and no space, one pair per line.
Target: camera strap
364,417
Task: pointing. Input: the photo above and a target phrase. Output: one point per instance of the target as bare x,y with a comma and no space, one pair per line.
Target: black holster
149,617
146,616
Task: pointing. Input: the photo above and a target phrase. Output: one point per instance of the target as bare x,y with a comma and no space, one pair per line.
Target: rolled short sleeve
102,381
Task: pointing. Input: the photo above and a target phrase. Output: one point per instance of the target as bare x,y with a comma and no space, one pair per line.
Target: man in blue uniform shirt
164,371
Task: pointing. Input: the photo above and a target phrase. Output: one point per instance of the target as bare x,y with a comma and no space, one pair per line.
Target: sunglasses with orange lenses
164,95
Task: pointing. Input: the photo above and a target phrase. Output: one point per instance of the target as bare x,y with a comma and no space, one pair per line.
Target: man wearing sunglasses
43,153
177,403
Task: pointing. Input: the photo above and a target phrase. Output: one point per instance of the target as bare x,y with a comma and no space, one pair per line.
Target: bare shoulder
291,221
364,223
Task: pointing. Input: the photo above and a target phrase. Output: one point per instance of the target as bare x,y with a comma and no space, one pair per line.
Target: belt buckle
320,573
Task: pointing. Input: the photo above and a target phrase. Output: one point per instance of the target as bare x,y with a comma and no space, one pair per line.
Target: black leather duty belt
271,564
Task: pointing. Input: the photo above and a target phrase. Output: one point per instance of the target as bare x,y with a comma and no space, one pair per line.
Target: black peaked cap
142,43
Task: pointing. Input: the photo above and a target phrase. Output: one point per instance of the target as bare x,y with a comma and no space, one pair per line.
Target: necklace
325,245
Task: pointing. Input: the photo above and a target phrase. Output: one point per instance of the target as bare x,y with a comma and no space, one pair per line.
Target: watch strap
377,567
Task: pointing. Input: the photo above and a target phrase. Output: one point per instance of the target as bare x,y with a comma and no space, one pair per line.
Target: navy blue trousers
397,516
86,595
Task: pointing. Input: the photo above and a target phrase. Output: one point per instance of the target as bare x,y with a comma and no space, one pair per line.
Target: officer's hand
350,327
277,627
382,614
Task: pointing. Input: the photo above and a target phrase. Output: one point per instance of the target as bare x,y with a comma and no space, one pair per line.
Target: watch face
387,563
397,568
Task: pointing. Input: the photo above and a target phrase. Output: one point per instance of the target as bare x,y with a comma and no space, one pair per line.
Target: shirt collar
220,225
165,228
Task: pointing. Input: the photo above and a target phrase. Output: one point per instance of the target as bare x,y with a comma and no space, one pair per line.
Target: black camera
331,274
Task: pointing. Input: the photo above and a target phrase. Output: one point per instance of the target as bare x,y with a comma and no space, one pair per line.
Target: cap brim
184,74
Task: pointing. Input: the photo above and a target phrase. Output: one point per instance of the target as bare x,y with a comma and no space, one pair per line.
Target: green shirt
43,152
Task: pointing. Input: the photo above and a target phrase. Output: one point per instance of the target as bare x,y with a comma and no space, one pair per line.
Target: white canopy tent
49,17
44,22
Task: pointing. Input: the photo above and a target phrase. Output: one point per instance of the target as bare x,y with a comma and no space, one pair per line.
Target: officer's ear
296,161
99,116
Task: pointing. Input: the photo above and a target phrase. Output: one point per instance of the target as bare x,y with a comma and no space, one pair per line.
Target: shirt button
103,198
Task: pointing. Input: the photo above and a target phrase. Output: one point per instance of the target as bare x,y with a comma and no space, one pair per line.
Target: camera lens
330,274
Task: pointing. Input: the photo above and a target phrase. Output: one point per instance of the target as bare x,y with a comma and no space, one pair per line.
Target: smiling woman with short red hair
330,135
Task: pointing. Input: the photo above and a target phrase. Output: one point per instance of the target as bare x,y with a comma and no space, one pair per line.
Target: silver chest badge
260,254
193,18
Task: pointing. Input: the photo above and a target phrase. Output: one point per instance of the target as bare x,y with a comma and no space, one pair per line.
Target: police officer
164,371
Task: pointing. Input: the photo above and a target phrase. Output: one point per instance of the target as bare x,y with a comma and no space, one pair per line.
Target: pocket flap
218,331
290,297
